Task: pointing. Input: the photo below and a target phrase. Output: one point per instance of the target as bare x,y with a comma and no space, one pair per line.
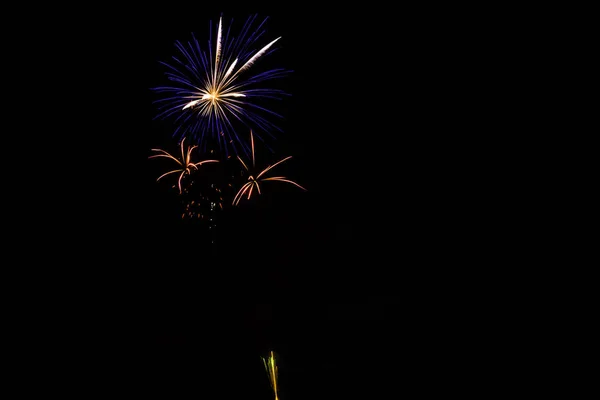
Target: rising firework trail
253,182
271,367
214,90
185,164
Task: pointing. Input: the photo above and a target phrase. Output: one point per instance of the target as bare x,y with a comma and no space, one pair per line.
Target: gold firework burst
185,164
253,182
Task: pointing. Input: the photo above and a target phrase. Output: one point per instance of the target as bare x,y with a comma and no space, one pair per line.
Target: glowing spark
271,368
185,164
254,182
212,91
255,57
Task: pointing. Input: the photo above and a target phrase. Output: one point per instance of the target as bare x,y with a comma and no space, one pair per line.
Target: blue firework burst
214,91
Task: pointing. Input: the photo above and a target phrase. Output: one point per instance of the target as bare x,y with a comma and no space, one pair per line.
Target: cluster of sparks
253,181
185,164
211,90
271,368
197,208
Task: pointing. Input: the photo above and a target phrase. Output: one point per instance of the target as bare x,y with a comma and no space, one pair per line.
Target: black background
360,282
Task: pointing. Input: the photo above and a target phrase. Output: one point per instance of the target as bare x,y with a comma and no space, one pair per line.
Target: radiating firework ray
185,164
271,367
212,91
253,182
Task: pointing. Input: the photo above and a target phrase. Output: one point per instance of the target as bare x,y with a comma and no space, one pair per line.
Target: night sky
348,281
289,273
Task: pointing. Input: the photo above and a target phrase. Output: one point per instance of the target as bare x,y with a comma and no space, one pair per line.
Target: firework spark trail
185,163
253,182
211,91
271,368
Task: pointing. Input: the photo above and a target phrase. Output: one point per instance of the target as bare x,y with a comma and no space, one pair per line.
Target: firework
213,90
253,182
185,164
271,368
203,203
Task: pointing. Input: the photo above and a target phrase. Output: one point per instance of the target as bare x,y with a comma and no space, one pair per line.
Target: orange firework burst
185,164
253,182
